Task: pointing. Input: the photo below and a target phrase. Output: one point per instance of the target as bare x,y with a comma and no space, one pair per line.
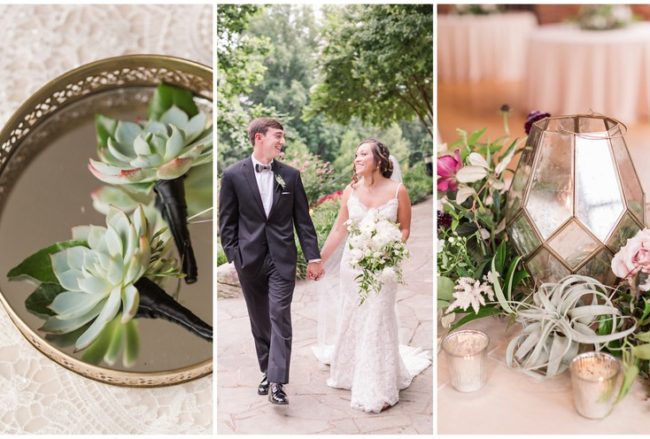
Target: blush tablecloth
478,47
569,71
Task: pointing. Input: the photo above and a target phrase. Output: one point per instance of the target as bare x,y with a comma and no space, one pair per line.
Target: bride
364,354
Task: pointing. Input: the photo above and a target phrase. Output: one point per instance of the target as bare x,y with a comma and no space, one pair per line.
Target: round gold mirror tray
45,188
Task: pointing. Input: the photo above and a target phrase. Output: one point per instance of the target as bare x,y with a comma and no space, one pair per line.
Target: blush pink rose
633,256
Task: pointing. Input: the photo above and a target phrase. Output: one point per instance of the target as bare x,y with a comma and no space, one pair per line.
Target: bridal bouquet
377,249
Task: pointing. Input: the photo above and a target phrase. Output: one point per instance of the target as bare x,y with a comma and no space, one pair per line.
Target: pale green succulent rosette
164,149
98,279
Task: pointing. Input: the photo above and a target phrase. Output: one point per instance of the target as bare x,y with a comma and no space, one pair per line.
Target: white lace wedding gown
366,357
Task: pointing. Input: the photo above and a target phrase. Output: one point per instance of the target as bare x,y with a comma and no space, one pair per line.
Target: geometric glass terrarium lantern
575,198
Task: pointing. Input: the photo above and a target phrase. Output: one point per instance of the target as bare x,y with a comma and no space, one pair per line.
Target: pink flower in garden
633,257
448,166
333,196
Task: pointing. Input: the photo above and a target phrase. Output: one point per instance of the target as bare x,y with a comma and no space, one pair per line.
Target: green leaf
37,303
132,348
646,311
95,353
499,292
105,128
500,257
167,96
445,289
486,311
480,269
475,136
642,351
38,267
117,341
629,375
509,280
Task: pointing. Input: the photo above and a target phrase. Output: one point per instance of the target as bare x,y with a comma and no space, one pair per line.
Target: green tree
289,73
239,68
377,65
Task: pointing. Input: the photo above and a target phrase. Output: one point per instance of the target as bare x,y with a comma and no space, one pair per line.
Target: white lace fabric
366,356
41,42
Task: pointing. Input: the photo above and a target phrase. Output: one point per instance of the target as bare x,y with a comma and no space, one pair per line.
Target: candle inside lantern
595,380
467,359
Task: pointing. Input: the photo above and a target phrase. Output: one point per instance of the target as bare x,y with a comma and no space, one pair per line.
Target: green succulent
162,149
98,278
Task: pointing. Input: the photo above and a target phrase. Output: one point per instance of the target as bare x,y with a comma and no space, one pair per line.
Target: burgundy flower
448,166
444,220
533,117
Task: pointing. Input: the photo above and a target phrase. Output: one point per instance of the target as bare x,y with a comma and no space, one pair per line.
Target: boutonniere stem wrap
156,155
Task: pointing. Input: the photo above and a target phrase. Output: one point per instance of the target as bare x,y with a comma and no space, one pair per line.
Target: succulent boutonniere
281,181
90,289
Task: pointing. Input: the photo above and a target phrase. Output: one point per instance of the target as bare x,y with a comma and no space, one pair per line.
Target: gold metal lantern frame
575,197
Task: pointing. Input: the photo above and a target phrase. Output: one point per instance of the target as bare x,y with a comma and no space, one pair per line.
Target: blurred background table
41,42
569,70
477,47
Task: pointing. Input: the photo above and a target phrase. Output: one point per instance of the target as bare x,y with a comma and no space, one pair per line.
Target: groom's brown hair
261,125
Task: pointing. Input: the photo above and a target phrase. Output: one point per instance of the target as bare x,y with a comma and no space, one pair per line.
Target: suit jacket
247,234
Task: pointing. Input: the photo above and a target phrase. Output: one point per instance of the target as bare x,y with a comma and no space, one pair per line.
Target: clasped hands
315,270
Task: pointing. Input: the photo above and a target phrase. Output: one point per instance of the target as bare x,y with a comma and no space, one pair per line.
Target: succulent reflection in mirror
575,198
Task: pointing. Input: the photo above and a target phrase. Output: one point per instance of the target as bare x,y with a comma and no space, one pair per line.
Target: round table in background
570,71
477,47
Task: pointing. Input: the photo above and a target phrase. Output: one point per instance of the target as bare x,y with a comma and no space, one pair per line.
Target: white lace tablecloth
476,47
570,71
40,43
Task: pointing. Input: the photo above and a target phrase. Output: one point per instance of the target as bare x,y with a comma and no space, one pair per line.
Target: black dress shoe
263,387
277,395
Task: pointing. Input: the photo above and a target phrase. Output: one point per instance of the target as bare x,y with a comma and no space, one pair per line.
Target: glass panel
599,268
550,200
599,203
562,125
522,175
591,125
624,230
544,267
630,182
523,236
573,244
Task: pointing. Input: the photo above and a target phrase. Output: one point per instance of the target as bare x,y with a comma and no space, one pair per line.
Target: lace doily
40,42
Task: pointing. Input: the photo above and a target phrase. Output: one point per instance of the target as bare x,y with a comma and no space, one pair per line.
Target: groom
260,202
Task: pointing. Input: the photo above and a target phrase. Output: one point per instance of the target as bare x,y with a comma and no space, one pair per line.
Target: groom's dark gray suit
264,253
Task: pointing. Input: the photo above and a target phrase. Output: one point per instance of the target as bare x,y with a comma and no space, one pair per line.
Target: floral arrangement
604,17
479,274
156,155
377,249
472,188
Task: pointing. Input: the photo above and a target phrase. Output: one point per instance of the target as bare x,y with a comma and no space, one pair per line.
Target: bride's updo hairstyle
381,155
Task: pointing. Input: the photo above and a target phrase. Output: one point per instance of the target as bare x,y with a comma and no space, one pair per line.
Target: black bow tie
262,168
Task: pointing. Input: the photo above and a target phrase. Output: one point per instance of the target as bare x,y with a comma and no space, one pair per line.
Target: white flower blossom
470,292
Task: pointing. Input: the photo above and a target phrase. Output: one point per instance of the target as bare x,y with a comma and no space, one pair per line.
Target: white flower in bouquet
376,248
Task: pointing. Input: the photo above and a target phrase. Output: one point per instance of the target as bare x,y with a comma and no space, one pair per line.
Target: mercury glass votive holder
467,359
596,379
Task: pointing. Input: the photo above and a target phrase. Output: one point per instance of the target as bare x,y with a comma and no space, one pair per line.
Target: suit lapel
249,174
277,190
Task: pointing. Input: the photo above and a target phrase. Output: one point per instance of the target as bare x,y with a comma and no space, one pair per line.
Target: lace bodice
357,210
41,42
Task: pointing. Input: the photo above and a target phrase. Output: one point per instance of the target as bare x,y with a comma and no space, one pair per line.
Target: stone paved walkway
314,407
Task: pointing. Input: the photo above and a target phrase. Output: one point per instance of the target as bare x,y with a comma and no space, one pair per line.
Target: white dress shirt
264,185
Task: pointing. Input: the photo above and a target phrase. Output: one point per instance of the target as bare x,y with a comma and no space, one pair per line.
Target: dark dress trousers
264,253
